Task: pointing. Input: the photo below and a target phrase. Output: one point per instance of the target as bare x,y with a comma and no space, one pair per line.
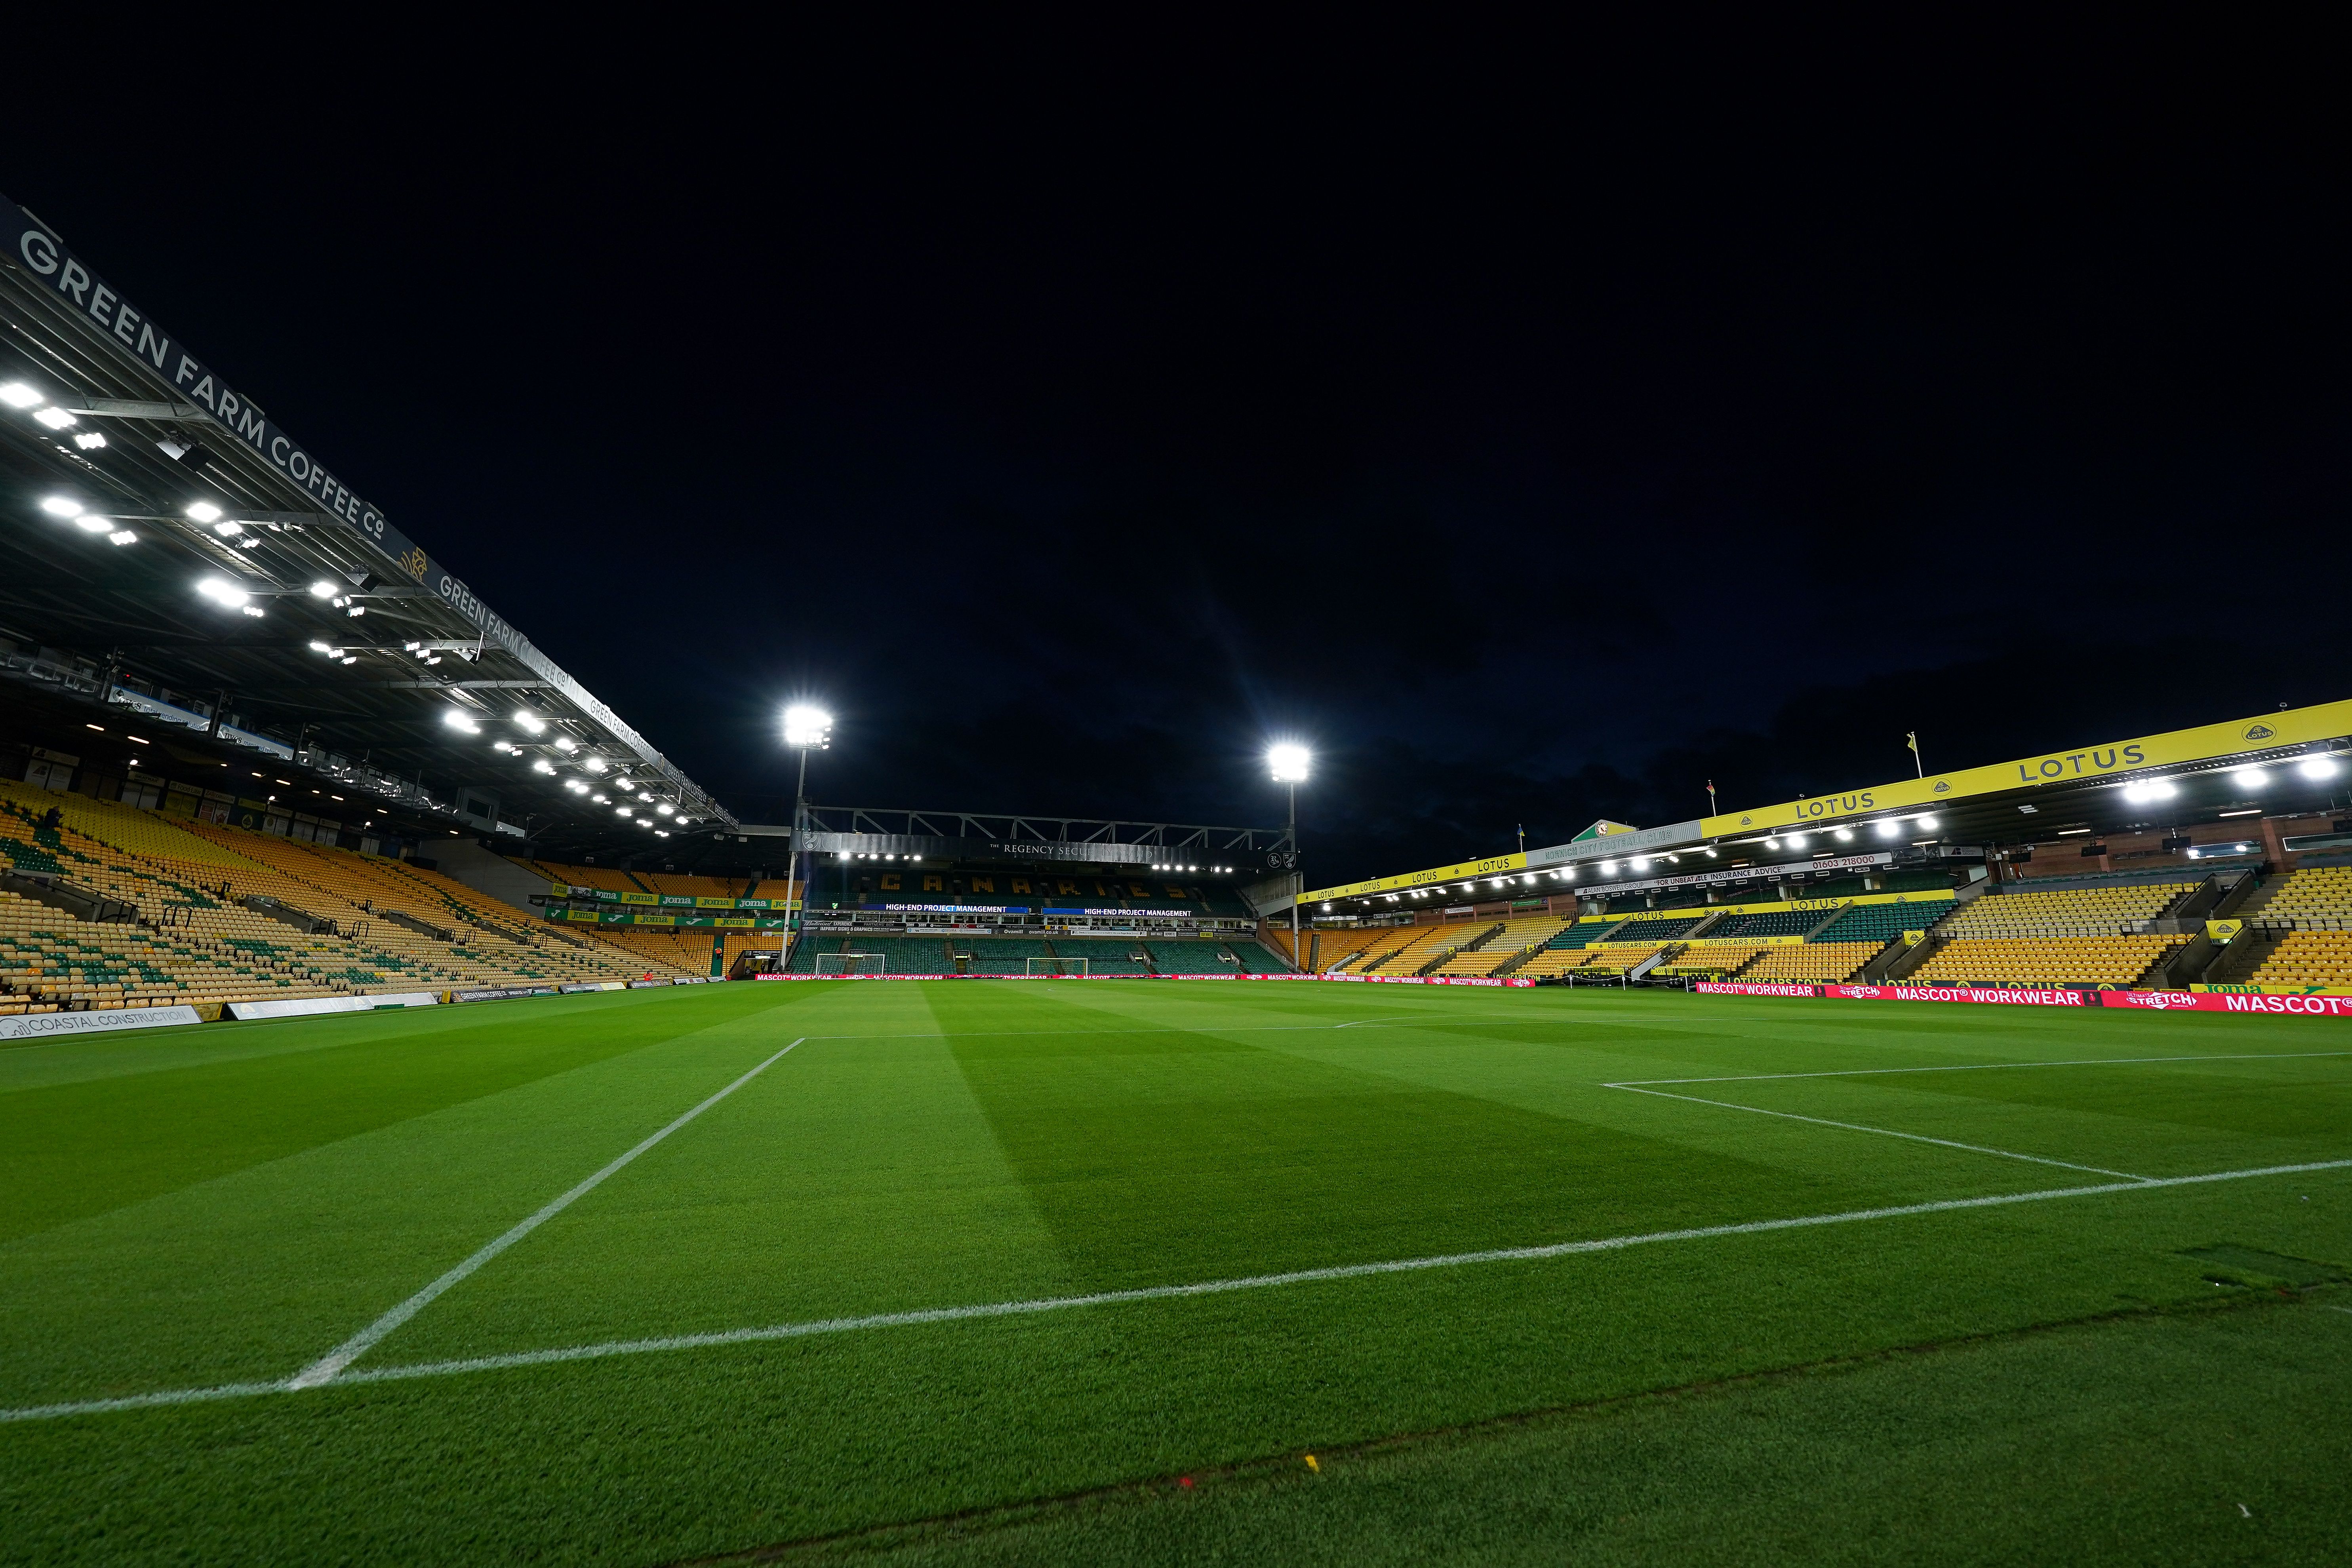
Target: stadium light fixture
89,441
203,512
564,743
458,719
529,722
1845,835
2150,789
807,726
223,592
576,787
16,395
1796,841
1288,762
320,648
56,418
322,589
666,809
2316,768
594,764
228,528
2251,777
541,765
61,505
1927,825
90,523
122,536
1772,843
1608,868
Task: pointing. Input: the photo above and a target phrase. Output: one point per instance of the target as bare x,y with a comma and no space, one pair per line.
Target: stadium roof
169,547
2182,776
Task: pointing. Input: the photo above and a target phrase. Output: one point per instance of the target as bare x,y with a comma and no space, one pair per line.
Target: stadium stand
2043,960
2319,899
1659,930
1709,958
1429,945
1355,952
2089,910
222,914
1503,948
1827,963
995,955
1770,923
1879,923
1191,957
2308,958
1256,958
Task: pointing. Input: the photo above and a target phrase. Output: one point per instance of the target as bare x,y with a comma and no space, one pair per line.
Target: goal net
852,964
1057,965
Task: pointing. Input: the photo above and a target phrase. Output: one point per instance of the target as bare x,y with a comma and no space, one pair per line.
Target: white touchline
1144,1294
1882,1132
351,1349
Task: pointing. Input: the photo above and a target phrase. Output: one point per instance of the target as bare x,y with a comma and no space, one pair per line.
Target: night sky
1534,454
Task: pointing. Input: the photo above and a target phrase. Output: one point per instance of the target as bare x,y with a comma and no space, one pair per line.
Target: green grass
222,1206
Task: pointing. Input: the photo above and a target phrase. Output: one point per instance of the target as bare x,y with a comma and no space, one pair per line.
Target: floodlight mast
1288,764
806,728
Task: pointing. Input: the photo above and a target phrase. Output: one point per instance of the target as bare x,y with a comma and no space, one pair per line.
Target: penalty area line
332,1363
1882,1131
432,1369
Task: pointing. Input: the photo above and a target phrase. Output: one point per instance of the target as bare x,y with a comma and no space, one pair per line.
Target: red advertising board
2229,1002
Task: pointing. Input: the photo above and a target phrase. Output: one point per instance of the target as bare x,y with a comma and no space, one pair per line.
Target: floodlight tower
1288,762
807,728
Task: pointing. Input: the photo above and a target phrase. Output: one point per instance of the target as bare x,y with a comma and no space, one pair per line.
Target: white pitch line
1884,1133
1989,1067
327,1365
1146,1294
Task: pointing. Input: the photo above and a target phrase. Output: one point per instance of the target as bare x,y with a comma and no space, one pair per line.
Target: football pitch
1020,1271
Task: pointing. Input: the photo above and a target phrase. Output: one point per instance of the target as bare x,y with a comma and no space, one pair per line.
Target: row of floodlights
1213,870
1891,828
16,395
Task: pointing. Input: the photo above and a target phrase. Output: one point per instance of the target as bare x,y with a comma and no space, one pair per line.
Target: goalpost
852,964
1057,965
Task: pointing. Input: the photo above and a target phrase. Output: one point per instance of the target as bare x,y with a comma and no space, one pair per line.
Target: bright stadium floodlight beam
1288,762
594,764
16,395
2316,768
456,718
61,505
528,721
1845,835
541,765
56,418
322,589
89,441
122,536
2251,777
806,725
205,512
89,523
1927,825
565,743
